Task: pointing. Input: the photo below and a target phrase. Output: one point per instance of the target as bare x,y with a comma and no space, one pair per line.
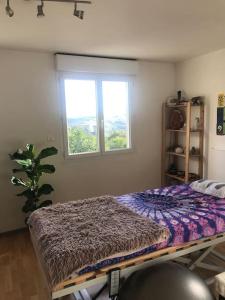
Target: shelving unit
184,134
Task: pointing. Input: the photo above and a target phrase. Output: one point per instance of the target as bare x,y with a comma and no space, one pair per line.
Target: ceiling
167,30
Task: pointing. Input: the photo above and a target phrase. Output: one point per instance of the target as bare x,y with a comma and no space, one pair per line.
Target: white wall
205,75
30,112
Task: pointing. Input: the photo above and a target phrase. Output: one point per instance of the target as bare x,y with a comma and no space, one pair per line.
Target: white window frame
100,117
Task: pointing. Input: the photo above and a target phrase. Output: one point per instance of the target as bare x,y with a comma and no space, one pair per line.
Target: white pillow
209,187
201,185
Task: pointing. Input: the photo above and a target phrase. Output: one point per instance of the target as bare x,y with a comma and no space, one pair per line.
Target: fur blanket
79,233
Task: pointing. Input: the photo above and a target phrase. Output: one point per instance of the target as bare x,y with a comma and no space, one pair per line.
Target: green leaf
46,169
29,206
45,203
45,189
18,155
23,155
30,148
24,162
47,152
18,182
27,193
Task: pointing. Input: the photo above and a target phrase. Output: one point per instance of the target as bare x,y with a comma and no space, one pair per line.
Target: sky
80,98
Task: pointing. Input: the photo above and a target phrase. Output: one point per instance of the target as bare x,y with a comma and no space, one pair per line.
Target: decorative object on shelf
181,97
196,101
172,169
171,101
197,123
180,173
179,150
195,151
40,7
30,164
193,176
170,149
184,127
176,119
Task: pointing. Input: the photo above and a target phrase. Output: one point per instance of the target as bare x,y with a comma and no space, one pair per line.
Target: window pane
81,116
116,115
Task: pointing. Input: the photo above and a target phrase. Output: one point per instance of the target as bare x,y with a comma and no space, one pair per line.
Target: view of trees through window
82,109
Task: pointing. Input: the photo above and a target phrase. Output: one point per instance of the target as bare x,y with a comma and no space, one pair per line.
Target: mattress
189,216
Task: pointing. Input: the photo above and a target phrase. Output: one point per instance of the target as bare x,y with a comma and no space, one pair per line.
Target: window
81,114
97,114
116,115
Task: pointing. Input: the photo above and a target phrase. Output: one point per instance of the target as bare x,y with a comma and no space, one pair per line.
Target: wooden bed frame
79,284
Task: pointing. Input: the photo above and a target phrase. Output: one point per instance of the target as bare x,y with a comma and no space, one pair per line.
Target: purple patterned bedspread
188,215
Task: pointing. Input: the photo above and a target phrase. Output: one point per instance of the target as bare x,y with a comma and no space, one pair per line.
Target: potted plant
31,166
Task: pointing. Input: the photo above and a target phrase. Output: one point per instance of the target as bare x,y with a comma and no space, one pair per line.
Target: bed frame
79,284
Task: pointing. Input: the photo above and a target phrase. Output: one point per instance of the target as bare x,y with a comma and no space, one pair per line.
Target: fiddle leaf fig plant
30,165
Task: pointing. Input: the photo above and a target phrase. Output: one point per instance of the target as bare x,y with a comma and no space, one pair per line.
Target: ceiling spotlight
40,12
9,10
78,13
40,7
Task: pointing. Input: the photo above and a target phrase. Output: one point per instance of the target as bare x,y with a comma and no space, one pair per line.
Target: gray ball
168,281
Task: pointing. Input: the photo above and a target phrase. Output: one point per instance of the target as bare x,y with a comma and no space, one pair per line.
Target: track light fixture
40,12
78,13
9,10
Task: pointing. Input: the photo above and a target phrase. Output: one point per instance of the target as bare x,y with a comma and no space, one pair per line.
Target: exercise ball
169,281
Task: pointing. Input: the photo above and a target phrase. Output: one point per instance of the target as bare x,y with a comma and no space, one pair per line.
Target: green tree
81,141
116,140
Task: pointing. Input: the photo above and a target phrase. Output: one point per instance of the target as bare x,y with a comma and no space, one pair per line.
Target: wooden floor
20,278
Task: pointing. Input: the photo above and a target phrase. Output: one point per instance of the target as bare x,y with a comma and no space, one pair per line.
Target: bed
195,221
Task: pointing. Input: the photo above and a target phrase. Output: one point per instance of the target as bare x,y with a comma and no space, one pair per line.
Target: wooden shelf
176,154
175,177
196,155
176,106
174,130
183,105
173,139
179,177
184,131
182,154
196,130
